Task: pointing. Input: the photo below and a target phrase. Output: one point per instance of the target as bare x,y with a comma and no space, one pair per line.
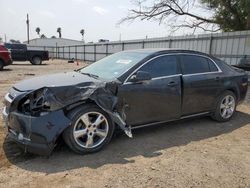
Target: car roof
151,51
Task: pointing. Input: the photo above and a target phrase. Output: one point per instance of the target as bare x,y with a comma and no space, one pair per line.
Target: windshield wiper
88,74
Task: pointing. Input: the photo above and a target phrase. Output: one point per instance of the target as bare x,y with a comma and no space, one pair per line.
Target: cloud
81,1
100,10
47,13
124,8
11,11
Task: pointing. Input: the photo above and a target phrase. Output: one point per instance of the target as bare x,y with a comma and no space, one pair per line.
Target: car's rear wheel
225,107
36,60
1,65
90,131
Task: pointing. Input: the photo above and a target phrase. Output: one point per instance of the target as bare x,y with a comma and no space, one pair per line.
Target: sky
98,18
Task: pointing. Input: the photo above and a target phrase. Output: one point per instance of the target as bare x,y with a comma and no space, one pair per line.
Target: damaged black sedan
125,90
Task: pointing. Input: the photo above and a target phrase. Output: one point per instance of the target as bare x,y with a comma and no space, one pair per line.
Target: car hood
54,80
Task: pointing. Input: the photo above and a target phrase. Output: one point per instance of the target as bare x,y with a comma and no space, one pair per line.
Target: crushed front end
35,119
34,129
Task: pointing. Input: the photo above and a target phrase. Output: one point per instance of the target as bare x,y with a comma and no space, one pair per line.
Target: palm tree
59,30
82,33
43,36
38,31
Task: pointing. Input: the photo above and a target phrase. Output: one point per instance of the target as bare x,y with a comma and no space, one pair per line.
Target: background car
128,89
5,57
20,52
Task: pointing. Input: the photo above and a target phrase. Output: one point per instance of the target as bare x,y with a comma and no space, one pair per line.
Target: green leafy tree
230,15
208,15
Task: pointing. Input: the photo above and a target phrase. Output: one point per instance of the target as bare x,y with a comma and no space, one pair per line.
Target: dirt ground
191,153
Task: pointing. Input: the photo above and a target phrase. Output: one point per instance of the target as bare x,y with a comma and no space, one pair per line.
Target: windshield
114,65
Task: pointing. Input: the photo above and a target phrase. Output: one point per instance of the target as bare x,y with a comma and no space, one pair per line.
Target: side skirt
160,122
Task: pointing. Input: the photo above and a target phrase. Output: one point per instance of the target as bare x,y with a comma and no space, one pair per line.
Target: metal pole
28,28
94,52
107,50
75,52
170,43
83,52
56,51
210,45
123,46
63,52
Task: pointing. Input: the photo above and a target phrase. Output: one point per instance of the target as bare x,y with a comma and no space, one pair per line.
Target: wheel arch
32,57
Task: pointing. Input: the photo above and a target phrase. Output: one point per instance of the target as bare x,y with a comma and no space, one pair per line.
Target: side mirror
140,76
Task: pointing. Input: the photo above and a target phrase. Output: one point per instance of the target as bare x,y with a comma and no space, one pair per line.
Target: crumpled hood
53,80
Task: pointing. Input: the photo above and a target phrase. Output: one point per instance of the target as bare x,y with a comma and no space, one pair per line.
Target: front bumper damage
38,133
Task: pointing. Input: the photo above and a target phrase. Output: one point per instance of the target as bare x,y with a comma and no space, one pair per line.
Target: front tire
225,107
90,131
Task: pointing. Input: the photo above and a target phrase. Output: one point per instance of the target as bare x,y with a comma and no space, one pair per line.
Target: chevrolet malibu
126,90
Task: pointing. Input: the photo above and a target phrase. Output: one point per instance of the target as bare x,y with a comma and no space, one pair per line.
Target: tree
59,30
82,31
43,36
1,39
38,31
208,15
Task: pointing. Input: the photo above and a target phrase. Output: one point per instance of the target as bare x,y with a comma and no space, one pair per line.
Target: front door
155,100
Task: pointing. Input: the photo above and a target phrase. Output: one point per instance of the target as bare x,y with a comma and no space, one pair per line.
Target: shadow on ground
6,70
25,64
147,142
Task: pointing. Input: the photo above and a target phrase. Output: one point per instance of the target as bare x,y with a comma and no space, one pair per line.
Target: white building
53,42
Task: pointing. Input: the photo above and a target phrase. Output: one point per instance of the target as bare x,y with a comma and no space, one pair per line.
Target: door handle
172,84
217,78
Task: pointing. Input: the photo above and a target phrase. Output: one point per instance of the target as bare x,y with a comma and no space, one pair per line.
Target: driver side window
161,66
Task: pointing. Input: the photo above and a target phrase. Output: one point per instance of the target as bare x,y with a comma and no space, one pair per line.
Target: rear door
158,99
201,83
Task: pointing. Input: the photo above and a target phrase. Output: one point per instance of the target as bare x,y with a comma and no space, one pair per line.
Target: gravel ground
191,153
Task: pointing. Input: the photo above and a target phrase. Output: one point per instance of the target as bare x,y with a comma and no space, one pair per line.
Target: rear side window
212,66
192,64
161,66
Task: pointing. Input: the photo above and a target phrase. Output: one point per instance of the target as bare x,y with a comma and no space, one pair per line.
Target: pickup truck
5,57
19,52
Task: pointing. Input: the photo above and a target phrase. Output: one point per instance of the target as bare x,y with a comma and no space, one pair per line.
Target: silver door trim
218,68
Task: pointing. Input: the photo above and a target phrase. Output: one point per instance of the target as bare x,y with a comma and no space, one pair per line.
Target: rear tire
90,131
225,107
36,60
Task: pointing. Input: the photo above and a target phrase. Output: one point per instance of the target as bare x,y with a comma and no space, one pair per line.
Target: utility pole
28,28
5,38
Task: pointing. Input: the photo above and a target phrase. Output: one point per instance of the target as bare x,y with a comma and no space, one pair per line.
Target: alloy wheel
90,130
227,106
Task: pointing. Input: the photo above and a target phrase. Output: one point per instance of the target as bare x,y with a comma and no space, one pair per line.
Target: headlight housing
38,103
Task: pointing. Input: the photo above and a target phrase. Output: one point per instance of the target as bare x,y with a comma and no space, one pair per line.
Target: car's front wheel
225,107
90,131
